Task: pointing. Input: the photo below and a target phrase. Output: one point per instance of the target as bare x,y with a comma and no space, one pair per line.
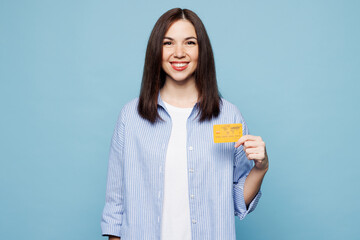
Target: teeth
179,64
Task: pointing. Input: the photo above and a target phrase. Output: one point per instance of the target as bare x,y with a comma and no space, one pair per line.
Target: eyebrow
185,38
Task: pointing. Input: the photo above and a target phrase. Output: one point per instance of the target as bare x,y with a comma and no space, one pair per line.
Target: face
180,52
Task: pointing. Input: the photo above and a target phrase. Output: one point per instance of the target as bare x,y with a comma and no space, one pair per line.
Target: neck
180,93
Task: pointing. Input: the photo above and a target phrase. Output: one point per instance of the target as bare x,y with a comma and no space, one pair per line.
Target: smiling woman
167,178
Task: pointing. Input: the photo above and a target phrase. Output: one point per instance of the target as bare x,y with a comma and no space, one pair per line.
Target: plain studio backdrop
68,67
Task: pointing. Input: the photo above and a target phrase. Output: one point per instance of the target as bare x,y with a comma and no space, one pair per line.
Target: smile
179,66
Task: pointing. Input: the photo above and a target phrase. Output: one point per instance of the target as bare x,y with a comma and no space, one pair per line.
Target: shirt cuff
110,229
239,202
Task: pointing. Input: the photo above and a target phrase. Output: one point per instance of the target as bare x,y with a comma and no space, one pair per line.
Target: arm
247,177
254,148
252,184
113,211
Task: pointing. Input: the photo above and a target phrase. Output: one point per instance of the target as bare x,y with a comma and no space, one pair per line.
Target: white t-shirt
175,223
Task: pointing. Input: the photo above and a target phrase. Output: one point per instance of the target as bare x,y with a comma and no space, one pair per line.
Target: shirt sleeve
113,211
242,167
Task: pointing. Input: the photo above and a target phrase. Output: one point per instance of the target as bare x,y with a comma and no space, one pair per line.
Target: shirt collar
160,101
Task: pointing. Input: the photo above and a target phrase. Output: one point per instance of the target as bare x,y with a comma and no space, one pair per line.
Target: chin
182,79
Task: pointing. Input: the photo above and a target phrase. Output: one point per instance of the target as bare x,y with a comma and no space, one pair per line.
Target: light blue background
67,67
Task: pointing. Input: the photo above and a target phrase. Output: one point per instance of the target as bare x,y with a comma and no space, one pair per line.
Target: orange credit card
227,132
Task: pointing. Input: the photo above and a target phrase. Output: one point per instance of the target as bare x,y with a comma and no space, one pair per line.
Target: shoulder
131,105
129,110
229,108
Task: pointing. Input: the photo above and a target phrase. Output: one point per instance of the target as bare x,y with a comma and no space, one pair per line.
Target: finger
251,144
244,139
241,140
256,143
254,150
256,156
247,138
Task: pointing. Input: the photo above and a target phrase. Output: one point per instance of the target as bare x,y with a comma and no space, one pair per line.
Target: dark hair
154,76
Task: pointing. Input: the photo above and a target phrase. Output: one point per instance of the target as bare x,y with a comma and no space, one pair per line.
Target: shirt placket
191,152
164,144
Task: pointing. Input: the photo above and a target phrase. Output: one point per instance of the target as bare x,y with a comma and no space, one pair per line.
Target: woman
167,179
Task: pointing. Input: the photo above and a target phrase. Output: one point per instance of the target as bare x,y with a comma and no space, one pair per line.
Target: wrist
262,167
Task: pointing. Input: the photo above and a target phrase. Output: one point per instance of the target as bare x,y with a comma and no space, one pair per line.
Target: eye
167,43
191,43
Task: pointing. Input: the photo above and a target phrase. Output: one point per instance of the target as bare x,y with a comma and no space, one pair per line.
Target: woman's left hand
255,149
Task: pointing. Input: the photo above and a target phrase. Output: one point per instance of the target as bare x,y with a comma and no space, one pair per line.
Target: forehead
181,29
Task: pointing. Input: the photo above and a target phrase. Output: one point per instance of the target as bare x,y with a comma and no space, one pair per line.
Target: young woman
167,179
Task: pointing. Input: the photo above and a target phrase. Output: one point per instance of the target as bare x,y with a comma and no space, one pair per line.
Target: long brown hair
154,76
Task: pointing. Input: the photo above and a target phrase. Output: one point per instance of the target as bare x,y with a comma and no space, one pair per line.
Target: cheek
164,60
165,54
195,55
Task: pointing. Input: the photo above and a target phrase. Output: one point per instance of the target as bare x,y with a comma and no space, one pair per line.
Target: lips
179,66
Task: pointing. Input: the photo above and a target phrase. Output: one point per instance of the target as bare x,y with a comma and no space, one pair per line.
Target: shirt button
192,196
193,221
191,148
191,170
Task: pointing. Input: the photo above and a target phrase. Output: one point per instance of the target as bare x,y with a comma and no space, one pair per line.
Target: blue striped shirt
135,183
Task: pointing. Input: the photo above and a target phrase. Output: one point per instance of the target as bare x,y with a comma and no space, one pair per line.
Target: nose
179,51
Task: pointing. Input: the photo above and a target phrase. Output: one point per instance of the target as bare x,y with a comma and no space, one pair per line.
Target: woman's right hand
113,238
